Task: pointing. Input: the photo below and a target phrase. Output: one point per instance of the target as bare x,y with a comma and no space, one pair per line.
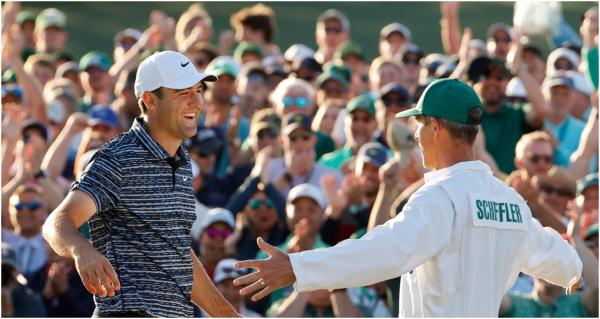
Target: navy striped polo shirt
145,210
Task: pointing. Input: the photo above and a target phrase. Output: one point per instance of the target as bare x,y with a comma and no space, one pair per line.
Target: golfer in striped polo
136,194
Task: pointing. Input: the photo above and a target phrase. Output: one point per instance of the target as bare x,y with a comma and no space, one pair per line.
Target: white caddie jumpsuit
459,244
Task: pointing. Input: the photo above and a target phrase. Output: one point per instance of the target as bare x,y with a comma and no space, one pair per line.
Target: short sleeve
101,180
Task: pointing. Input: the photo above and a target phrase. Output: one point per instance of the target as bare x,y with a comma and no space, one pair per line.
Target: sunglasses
333,30
563,65
300,101
205,154
257,203
536,158
390,101
213,233
411,61
295,137
558,191
30,206
266,133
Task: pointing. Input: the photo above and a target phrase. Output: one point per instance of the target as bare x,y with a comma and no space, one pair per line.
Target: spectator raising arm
537,113
588,144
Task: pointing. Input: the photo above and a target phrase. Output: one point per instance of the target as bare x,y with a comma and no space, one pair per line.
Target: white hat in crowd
307,190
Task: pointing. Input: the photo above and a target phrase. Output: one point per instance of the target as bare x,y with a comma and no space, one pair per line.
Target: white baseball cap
225,270
167,69
307,190
216,215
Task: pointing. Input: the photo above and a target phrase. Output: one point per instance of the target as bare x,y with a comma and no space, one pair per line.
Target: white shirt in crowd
31,252
459,244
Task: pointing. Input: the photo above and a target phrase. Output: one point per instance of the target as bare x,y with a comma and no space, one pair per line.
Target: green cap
362,102
50,17
340,68
246,47
326,76
448,99
584,183
9,76
347,48
25,16
592,230
95,58
222,67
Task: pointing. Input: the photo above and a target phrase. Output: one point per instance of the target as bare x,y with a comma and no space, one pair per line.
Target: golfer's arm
61,228
206,295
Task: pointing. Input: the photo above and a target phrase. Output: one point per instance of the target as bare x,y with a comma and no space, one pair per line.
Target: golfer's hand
573,288
96,272
271,274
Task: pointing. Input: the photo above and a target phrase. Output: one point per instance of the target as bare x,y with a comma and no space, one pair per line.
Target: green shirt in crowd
529,306
502,130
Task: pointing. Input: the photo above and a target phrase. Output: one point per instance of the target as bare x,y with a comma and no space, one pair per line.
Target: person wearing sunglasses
503,122
556,189
27,211
218,225
411,59
298,164
393,98
393,39
360,127
332,29
260,211
293,95
534,153
205,149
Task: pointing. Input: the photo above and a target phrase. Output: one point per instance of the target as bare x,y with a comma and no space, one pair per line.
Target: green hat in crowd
587,181
340,68
50,17
348,48
592,230
362,102
448,99
247,47
326,76
95,58
221,68
9,76
25,16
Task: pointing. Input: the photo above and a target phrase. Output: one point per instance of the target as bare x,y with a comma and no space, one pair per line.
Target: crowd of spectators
296,145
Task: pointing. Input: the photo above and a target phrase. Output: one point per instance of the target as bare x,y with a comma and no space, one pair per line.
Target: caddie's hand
573,288
271,274
96,272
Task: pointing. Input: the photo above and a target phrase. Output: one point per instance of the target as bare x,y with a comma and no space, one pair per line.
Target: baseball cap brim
292,127
189,80
409,112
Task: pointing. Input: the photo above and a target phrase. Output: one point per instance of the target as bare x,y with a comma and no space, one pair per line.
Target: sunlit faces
305,208
424,137
261,212
178,110
538,158
362,126
27,213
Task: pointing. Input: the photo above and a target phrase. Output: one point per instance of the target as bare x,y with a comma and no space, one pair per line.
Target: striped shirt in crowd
145,209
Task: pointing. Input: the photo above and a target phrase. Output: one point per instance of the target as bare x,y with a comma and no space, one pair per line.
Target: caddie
460,241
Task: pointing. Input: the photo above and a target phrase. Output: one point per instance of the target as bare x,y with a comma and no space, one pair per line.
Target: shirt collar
477,166
139,129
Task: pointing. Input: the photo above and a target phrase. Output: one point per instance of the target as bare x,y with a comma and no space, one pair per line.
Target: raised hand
271,274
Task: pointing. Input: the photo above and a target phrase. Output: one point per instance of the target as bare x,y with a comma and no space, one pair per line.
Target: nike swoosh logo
184,64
